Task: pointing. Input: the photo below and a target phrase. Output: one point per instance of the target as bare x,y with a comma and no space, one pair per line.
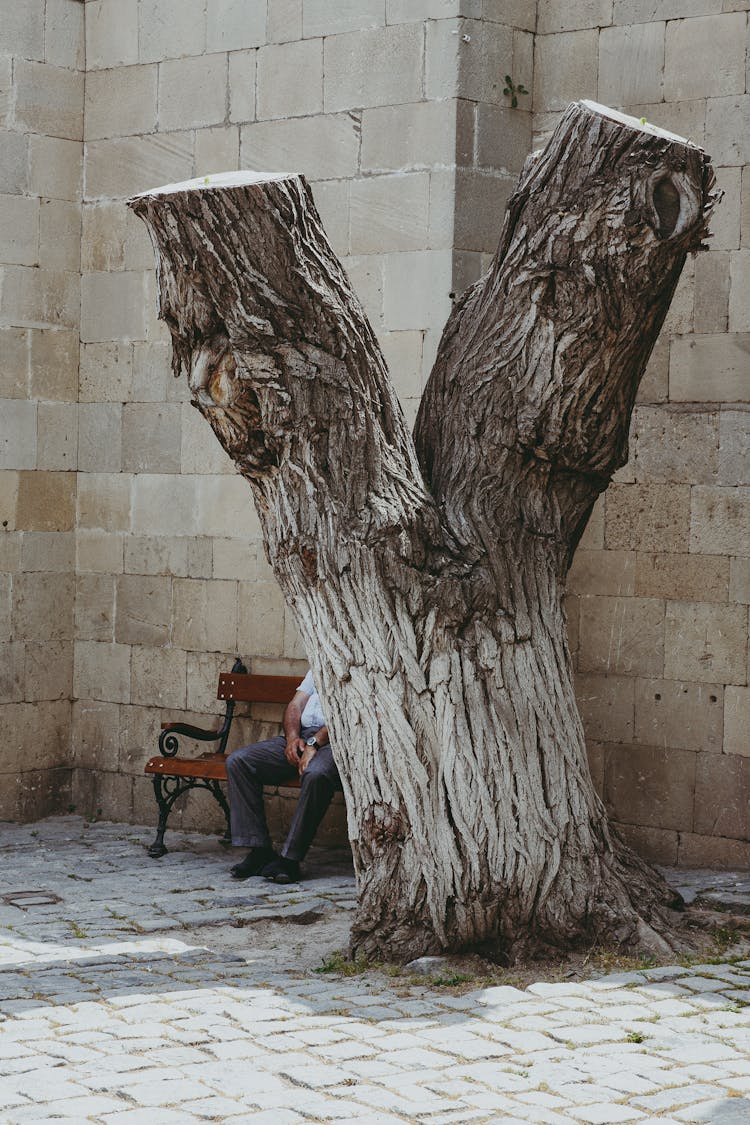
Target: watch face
311,742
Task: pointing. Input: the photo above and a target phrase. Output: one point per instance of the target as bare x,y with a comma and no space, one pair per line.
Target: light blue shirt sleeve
307,685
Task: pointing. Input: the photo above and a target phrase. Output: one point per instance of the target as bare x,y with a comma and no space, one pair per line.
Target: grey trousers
263,763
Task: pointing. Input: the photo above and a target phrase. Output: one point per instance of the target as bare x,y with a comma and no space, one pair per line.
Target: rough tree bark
427,575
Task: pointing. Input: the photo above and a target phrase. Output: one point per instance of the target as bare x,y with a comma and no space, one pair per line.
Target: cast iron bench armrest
169,745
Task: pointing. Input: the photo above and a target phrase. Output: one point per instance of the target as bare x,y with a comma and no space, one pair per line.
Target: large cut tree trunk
427,576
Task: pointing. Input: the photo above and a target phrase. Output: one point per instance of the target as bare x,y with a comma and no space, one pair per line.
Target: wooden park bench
174,774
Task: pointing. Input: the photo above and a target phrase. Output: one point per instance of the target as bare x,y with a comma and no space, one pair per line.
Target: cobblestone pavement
136,992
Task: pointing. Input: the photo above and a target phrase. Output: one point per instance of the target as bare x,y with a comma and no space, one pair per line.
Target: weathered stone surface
121,102
192,92
290,79
324,148
99,552
159,677
19,230
100,437
706,643
621,635
722,794
48,673
631,64
45,551
151,437
49,99
566,68
319,17
122,166
607,706
737,721
651,786
404,137
602,572
43,606
113,306
739,581
22,28
712,289
101,671
18,436
216,149
231,24
655,845
572,15
13,162
59,235
709,368
55,165
713,851
727,121
95,733
389,213
734,447
144,604
674,445
104,501
739,318
686,716
45,501
682,577
57,435
172,28
412,289
260,618
715,46
205,615
164,504
39,298
719,520
647,517
284,21
373,67
95,607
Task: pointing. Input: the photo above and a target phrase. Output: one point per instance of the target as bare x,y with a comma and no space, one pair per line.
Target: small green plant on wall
512,91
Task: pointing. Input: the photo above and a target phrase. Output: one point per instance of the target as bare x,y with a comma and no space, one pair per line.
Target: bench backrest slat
249,687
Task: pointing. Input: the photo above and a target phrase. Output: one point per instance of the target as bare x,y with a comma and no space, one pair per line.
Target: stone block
725,223
407,137
722,796
39,298
226,508
654,386
503,138
607,706
49,99
673,445
290,79
713,851
595,756
9,488
64,34
403,354
95,734
123,166
10,543
112,238
631,64
744,207
192,92
171,29
593,535
728,129
323,148
366,276
19,230
203,670
139,732
159,677
242,79
719,521
715,46
640,11
518,13
98,552
332,201
60,234
686,119
572,610
372,67
623,635
22,28
687,716
655,845
734,447
260,619
565,69
14,362
6,90
200,450
739,581
390,213
648,517
104,501
216,150
706,643
55,167
57,435
143,610
48,551
284,21
113,306
679,318
737,721
46,501
95,607
164,504
14,150
12,657
319,17
232,24
572,15
106,372
43,607
234,559
709,368
467,268
651,786
682,577
205,615
712,292
150,554
121,102
443,60
111,33
417,290
99,437
48,671
18,436
6,602
602,572
151,436
481,198
739,317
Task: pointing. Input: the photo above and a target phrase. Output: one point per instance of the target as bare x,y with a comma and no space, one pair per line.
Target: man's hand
294,751
306,758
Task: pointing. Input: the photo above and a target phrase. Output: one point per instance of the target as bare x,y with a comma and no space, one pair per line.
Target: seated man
303,748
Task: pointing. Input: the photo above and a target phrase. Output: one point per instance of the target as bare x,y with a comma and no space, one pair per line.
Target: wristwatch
313,742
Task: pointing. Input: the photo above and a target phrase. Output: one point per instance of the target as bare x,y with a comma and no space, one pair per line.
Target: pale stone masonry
131,566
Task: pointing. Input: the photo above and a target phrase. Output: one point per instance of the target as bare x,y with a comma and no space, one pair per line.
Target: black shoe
281,870
253,863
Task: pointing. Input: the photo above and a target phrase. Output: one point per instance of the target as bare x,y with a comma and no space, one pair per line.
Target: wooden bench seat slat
251,688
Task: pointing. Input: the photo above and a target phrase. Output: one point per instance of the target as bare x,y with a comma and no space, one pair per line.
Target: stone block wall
659,587
41,123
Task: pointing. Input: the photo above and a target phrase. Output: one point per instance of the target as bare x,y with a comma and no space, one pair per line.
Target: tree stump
427,575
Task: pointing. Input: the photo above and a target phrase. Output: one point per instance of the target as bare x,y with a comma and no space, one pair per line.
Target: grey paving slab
156,992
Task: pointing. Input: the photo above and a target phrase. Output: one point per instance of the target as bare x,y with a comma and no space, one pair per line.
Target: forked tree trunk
427,576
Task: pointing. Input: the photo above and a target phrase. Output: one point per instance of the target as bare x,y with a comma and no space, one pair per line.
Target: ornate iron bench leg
164,799
217,792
